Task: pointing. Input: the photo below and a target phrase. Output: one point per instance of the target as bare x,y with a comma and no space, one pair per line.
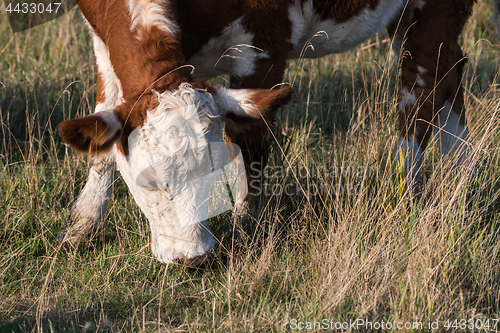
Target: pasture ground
341,244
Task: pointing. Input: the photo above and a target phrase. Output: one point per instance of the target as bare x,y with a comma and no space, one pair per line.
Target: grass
357,249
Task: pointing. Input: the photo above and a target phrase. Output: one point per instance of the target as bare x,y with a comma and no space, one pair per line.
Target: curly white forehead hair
177,131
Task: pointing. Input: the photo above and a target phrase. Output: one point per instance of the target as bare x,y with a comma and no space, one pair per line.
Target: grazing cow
141,46
160,125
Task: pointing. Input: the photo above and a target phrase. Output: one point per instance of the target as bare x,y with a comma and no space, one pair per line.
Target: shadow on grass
59,322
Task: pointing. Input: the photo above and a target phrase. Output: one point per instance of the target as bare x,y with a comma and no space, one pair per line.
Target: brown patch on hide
144,59
90,10
267,21
433,45
270,25
199,20
342,10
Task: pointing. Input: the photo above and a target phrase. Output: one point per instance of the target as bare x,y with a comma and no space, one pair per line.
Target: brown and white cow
141,47
162,127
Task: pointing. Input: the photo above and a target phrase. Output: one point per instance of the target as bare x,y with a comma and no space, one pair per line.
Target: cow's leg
255,139
452,137
415,131
89,210
426,44
91,206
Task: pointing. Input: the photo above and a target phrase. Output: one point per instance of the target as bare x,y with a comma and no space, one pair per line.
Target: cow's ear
247,106
93,134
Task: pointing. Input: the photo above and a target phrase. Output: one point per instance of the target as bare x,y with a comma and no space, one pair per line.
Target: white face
178,168
173,161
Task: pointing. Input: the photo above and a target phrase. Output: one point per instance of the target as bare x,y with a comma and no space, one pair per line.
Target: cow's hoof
70,238
75,232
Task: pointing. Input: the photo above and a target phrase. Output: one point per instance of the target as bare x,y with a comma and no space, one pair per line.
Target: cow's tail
496,15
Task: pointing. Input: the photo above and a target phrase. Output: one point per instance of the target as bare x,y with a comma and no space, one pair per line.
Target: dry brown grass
373,253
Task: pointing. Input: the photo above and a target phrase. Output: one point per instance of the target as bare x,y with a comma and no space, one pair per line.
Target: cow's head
170,161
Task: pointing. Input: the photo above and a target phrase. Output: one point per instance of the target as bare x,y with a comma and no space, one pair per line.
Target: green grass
363,250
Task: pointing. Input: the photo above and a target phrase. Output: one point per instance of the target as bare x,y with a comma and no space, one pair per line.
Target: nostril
198,261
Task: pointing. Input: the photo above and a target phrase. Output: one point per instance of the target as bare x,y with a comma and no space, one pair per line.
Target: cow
144,50
159,124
